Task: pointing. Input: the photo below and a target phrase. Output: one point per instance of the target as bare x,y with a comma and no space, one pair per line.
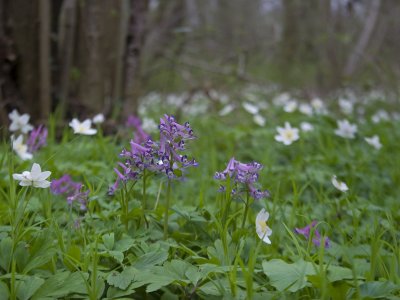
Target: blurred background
82,57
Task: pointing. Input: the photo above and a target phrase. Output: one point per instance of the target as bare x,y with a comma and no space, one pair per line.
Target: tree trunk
66,45
24,32
359,49
138,11
44,59
118,76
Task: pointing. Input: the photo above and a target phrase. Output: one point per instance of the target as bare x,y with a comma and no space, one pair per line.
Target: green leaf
150,259
41,251
61,285
5,252
73,257
118,256
284,276
124,244
121,280
27,287
377,289
4,291
108,240
336,273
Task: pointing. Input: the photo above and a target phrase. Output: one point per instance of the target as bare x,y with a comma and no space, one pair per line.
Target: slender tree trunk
138,10
123,30
44,59
359,49
66,44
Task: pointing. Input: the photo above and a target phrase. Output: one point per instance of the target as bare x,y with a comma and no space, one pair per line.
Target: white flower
287,134
318,106
346,106
149,125
250,108
305,126
281,99
374,142
262,229
35,177
259,120
290,106
82,128
346,129
306,109
20,148
98,119
341,186
19,122
380,115
226,110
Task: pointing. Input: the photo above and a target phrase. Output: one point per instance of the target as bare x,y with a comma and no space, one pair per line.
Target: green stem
167,210
144,191
246,209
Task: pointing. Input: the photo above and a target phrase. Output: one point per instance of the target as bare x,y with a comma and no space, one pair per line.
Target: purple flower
316,238
37,139
165,157
140,136
244,174
71,190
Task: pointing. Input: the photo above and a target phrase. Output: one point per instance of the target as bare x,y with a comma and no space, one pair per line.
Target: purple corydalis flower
37,138
65,185
163,157
72,190
140,135
306,232
246,174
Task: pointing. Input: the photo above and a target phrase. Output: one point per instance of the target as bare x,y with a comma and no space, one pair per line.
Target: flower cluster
160,157
140,135
246,174
72,190
316,237
37,138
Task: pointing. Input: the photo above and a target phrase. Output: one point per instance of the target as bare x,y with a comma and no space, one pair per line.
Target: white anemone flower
318,106
287,134
98,119
226,110
262,229
346,106
306,109
281,99
380,115
20,148
82,128
374,142
346,129
290,106
35,177
341,186
259,120
19,122
250,108
149,125
306,127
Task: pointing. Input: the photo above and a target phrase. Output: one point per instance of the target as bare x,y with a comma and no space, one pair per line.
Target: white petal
25,183
41,184
35,171
44,175
18,176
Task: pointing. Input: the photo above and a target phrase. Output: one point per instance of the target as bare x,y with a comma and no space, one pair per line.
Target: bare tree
138,12
357,54
44,59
